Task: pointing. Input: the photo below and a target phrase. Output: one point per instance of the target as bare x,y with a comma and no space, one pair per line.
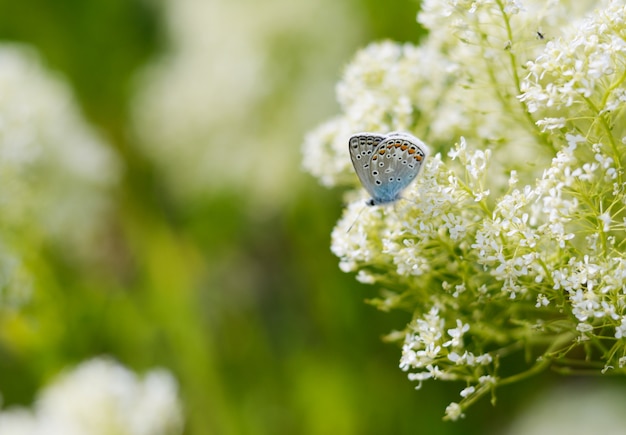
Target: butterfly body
386,163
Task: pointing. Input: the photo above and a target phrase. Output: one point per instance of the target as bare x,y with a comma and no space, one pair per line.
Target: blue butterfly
386,163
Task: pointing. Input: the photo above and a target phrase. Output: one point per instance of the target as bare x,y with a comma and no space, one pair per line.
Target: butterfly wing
362,147
397,161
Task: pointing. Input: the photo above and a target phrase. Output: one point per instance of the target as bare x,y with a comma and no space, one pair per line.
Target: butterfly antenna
355,219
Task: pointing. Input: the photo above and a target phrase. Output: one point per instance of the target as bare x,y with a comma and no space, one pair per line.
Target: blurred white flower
573,409
224,108
15,279
454,411
54,168
103,397
56,172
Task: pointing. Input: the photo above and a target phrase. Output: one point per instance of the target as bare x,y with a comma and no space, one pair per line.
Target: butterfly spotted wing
386,164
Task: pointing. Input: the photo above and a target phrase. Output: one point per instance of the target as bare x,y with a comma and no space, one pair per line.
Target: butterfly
386,163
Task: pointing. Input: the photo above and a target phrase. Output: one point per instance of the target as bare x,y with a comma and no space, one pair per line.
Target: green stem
607,128
542,363
541,137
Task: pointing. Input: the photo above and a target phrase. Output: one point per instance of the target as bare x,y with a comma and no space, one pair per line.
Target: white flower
454,411
542,301
551,123
484,359
101,397
55,170
487,380
419,377
323,150
456,225
620,331
56,173
457,334
468,391
605,218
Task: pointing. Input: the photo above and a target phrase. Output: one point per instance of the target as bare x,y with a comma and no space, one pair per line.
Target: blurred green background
234,291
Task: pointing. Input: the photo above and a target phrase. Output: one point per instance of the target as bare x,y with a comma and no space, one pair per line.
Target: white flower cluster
515,237
101,396
583,68
55,171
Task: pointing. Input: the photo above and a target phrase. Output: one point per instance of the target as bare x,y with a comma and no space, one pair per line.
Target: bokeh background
212,257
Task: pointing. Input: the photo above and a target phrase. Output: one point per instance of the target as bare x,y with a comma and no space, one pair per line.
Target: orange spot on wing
412,151
404,147
418,158
381,152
